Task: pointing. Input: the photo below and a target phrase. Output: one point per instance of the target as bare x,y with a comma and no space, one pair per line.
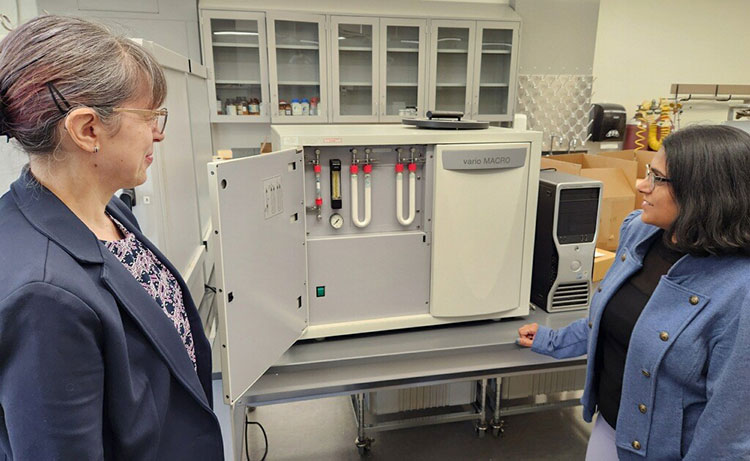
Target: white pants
602,442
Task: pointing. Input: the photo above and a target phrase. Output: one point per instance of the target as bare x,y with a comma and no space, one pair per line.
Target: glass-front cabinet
451,66
236,55
355,69
402,68
495,81
297,61
473,68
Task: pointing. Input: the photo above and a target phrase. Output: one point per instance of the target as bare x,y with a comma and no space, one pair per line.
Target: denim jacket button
590,324
694,300
599,289
646,373
664,336
623,257
636,444
642,408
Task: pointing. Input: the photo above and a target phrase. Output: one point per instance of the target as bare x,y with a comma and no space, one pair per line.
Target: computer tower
566,227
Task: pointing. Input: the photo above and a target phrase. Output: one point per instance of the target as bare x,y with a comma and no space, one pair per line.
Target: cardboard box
603,259
642,157
266,147
618,194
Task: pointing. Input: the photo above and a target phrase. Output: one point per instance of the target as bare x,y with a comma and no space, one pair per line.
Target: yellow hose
640,136
662,126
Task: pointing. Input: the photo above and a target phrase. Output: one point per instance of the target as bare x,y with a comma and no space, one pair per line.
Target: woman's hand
526,334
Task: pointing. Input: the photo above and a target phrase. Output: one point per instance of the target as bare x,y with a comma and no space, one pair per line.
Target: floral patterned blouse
156,279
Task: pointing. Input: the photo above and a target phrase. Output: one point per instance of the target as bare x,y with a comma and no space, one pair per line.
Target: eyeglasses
653,178
157,116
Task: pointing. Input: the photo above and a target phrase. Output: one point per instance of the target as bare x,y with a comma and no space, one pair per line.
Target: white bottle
305,106
296,107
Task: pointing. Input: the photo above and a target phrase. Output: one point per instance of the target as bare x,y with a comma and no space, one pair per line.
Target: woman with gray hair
102,351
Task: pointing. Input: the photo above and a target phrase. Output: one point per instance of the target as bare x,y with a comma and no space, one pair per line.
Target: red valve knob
367,168
354,169
317,168
412,167
399,167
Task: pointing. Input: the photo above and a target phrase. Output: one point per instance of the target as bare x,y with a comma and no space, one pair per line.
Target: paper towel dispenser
607,122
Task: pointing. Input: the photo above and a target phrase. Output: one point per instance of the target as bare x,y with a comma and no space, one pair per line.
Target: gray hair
88,64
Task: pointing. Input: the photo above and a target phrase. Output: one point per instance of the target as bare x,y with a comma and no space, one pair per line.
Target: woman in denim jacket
668,332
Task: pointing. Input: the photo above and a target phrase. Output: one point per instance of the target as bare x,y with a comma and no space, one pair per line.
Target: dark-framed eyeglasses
653,179
155,116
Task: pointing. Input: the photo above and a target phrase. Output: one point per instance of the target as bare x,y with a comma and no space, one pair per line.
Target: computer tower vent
569,295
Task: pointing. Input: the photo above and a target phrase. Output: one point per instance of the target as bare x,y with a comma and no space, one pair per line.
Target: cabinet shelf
300,83
451,85
239,119
355,84
355,48
237,82
453,51
495,51
297,47
235,45
403,50
493,85
402,84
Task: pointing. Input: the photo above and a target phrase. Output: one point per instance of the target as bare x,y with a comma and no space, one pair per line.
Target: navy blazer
90,367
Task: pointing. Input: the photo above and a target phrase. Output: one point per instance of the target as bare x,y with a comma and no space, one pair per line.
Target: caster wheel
363,447
497,431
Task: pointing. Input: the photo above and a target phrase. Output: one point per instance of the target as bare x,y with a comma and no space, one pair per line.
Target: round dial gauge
336,220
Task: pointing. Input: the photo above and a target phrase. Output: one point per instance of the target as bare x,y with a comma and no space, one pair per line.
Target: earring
96,149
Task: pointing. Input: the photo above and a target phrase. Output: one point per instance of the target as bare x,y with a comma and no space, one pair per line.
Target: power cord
265,438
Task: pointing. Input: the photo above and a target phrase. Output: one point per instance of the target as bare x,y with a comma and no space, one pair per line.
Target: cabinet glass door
402,69
452,66
495,83
354,50
297,59
237,55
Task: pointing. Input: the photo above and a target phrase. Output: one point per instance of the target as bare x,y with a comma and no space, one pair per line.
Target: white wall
643,46
557,36
172,24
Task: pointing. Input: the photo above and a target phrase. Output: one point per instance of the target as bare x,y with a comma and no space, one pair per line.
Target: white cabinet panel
403,60
297,51
354,77
451,65
235,47
494,87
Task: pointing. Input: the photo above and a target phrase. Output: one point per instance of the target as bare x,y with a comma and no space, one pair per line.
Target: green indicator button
320,291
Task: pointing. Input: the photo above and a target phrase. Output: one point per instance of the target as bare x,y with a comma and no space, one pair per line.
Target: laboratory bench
355,365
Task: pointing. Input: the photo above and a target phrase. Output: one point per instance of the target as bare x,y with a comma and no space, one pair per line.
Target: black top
618,321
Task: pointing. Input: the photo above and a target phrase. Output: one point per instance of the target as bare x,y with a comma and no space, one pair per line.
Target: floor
325,430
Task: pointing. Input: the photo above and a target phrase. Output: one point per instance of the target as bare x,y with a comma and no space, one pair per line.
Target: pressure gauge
336,221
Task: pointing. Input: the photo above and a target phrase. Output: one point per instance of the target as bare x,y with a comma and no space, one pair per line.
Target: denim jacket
686,386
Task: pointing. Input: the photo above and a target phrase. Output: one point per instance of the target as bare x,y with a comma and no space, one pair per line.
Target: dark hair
710,170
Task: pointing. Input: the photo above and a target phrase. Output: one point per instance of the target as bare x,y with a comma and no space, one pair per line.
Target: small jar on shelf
296,107
254,106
